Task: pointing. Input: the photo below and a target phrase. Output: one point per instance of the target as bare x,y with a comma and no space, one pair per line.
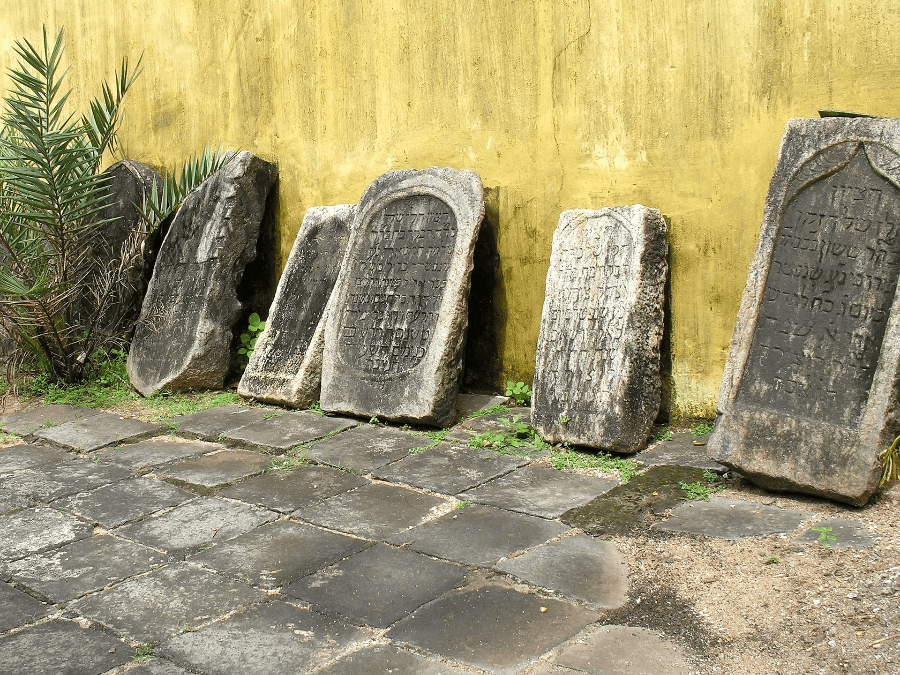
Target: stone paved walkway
183,541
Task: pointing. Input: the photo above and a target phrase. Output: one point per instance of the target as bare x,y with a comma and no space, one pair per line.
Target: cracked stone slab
447,469
378,586
269,639
29,421
625,651
490,422
285,430
49,483
18,608
365,448
578,567
12,501
215,422
540,492
158,666
82,567
61,647
218,468
479,535
454,627
387,659
155,452
846,533
127,500
288,490
680,451
96,431
375,511
38,529
30,457
278,553
732,519
158,605
204,521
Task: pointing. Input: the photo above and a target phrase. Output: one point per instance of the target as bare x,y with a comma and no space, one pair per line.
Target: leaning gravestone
394,345
286,364
809,395
596,379
183,337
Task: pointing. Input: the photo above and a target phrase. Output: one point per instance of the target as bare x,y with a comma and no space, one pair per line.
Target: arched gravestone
286,365
809,396
393,347
596,378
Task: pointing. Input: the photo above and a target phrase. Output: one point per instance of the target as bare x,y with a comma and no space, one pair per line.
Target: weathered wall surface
678,105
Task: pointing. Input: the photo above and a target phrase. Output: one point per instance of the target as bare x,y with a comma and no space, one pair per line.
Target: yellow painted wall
676,104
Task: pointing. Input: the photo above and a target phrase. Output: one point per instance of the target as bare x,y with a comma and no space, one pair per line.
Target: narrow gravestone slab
838,533
387,659
680,451
217,468
183,338
18,608
61,647
378,586
127,500
155,452
38,529
286,364
624,650
285,491
394,346
808,396
365,448
597,379
29,421
282,430
96,431
522,627
731,519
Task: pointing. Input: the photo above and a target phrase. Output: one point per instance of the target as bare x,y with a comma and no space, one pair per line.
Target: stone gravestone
183,337
596,379
394,345
286,365
809,397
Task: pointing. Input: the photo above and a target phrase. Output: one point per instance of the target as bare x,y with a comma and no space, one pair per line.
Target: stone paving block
681,451
375,511
204,521
540,492
277,553
217,469
155,452
479,535
378,586
96,431
214,422
484,423
82,567
61,647
18,608
270,639
365,448
625,651
122,502
27,456
29,421
466,404
288,490
387,659
493,627
459,435
38,529
52,482
846,533
285,430
447,469
732,519
158,605
158,666
578,567
11,501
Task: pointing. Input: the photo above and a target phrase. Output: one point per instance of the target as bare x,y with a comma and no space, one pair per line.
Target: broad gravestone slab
597,379
183,337
394,345
808,398
286,365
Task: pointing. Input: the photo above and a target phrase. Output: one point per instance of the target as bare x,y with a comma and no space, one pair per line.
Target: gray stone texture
38,529
217,468
365,448
18,608
216,422
52,482
394,346
808,397
122,502
286,364
378,586
467,404
283,430
482,423
288,490
158,666
846,533
597,380
731,519
387,659
493,628
95,431
183,338
624,650
61,647
29,421
154,452
680,450
11,501
30,457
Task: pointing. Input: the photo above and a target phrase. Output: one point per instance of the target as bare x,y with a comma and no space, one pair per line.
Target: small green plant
373,420
143,652
248,339
286,462
437,437
771,560
824,537
519,391
315,408
564,457
188,628
702,489
272,414
462,504
493,410
662,435
701,429
562,421
172,426
890,459
516,438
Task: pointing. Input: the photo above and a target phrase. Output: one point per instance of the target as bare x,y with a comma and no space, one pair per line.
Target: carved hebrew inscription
827,296
396,285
